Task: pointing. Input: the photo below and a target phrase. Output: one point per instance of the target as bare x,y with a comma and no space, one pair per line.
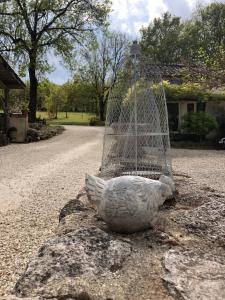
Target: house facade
177,109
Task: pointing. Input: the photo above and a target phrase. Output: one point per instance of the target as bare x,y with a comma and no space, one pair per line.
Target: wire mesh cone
136,140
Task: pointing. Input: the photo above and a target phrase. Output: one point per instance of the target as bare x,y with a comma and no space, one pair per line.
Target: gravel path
206,167
37,179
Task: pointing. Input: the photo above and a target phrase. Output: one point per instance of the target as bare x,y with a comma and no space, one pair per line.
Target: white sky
129,16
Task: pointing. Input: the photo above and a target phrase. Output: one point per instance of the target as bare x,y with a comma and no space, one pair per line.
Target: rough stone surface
73,207
161,263
18,298
194,274
207,221
84,252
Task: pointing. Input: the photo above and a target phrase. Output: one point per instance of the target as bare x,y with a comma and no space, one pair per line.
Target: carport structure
9,80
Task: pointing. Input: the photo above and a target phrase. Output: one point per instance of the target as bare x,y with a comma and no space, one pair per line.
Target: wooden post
6,109
5,104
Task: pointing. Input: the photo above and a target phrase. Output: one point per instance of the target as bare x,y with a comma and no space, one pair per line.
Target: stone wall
20,122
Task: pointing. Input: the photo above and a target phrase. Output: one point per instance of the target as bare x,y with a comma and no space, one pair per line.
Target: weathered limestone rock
192,275
16,298
129,203
76,213
86,261
83,253
75,206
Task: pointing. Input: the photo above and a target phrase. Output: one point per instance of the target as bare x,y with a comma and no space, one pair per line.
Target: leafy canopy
29,29
198,43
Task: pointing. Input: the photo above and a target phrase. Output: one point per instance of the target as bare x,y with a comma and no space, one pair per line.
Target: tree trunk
33,93
101,109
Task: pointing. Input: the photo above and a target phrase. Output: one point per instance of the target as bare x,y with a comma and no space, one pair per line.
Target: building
178,108
9,80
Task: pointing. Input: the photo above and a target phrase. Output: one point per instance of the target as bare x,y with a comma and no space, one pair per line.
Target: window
201,106
173,115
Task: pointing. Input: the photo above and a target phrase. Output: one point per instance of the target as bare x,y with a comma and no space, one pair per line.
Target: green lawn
73,118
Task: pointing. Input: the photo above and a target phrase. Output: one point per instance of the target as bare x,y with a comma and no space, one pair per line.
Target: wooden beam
6,109
2,85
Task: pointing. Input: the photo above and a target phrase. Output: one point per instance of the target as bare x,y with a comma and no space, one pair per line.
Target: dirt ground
37,179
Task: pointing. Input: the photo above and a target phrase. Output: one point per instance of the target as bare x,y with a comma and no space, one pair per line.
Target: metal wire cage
136,140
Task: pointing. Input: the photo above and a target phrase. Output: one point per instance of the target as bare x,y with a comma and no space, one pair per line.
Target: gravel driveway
206,167
37,179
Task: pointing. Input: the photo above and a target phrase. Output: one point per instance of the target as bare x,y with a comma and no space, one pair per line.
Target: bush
185,137
96,122
32,135
199,123
42,132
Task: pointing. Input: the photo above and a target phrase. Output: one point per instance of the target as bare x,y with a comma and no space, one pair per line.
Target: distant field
73,118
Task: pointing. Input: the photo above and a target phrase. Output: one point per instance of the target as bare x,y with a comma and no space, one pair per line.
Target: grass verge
73,118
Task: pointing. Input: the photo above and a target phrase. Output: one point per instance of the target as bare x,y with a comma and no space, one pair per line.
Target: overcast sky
129,16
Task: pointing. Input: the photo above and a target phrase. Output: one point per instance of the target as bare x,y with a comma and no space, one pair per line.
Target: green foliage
25,106
191,91
76,95
95,121
137,91
80,96
176,92
161,40
16,103
30,29
199,123
211,27
103,61
51,97
197,43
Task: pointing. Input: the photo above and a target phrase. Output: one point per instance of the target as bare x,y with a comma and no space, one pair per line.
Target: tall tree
29,29
205,41
161,39
199,43
103,61
80,95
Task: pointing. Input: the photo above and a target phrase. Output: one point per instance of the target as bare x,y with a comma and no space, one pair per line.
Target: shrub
41,132
96,122
32,135
199,123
